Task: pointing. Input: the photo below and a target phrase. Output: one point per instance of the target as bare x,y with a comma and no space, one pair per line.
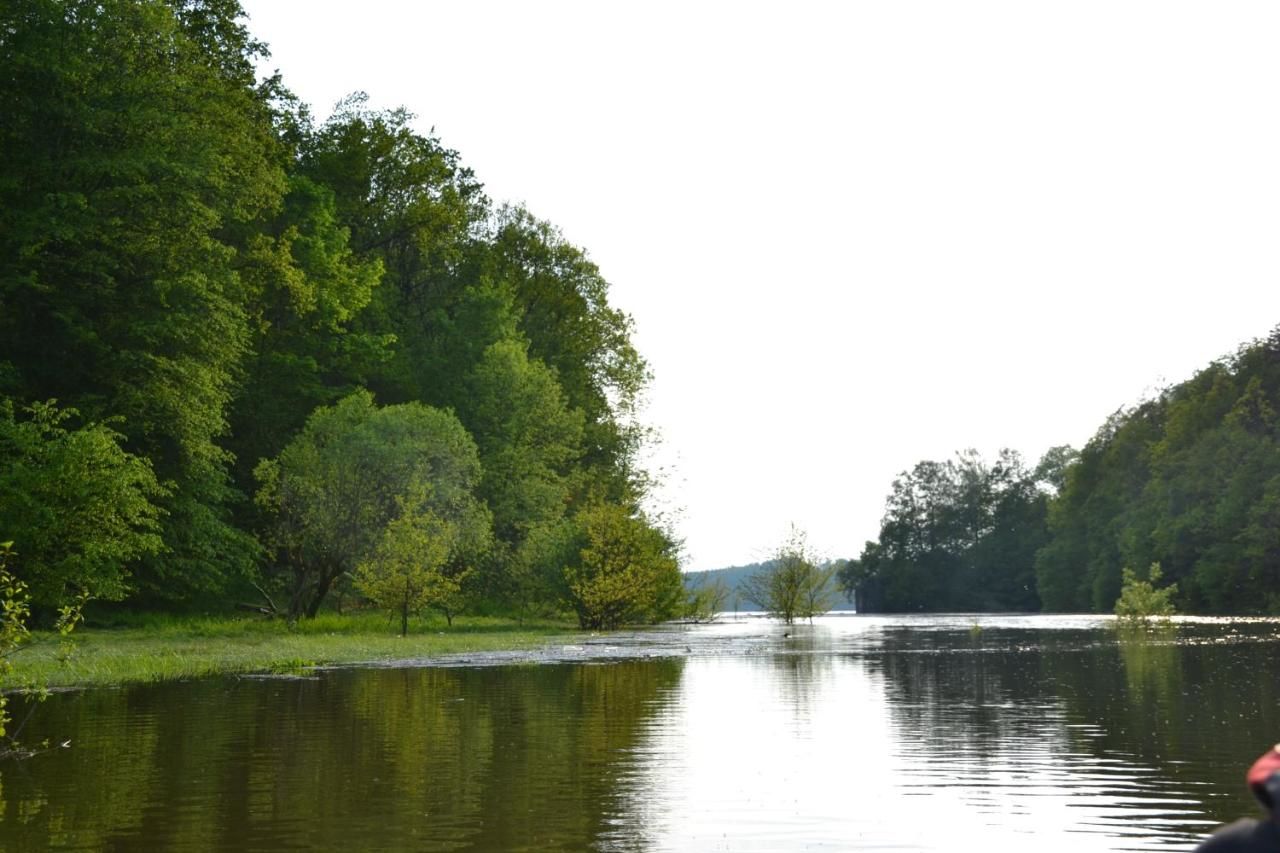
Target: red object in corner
1264,767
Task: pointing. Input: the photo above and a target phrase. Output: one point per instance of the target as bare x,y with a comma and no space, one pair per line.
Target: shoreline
177,649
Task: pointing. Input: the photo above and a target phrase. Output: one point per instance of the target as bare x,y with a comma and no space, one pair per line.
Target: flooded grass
165,649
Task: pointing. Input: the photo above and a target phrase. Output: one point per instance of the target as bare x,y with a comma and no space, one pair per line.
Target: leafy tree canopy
80,507
354,468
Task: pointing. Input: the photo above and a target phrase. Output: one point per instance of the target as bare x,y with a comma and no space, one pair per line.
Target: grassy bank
169,648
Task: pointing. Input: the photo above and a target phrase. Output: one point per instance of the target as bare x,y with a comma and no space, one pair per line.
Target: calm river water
855,733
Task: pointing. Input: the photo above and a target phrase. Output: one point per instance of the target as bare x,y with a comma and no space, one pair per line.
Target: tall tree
956,535
1189,479
136,146
529,442
408,204
305,288
563,309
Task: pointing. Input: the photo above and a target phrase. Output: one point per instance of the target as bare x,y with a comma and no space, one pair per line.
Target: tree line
1187,481
244,352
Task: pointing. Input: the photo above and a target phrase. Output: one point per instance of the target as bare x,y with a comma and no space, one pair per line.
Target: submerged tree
1141,599
704,598
793,585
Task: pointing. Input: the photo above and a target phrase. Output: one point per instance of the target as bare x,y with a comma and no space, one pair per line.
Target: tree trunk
322,589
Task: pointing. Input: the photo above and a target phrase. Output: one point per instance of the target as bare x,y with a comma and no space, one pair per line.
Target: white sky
857,235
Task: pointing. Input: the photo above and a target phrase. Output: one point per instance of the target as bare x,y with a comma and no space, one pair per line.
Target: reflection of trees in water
1150,657
1197,701
972,699
502,758
1190,704
800,666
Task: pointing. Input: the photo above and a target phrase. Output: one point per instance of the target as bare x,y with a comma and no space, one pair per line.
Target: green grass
166,648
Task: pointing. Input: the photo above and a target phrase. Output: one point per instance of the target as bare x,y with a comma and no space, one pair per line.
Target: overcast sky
856,235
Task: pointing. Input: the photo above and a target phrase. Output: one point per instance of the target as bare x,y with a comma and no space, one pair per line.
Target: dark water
856,733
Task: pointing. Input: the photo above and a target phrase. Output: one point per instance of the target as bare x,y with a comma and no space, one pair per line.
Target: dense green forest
1188,480
246,353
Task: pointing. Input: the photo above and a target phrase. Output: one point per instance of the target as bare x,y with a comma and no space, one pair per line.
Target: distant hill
732,576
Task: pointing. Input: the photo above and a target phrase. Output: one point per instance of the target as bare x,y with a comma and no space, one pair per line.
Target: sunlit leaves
79,507
622,569
332,492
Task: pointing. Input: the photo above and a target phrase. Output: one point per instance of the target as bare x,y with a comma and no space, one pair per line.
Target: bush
80,508
1140,599
624,570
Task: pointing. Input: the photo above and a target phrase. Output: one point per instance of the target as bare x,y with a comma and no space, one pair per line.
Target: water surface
902,733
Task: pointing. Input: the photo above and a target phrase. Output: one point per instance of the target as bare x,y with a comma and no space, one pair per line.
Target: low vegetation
1140,598
166,648
16,637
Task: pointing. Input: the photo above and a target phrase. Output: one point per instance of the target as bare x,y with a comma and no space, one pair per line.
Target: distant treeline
237,344
1189,480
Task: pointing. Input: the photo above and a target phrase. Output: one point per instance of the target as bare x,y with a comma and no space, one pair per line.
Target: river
854,733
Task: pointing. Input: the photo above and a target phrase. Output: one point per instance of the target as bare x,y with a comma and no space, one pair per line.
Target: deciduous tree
333,491
405,572
623,570
81,508
794,585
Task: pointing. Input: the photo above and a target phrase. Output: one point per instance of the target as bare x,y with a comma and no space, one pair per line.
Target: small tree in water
1140,599
794,586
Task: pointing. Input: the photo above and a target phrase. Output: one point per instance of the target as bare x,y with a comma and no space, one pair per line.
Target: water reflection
929,735
920,733
431,759
1151,662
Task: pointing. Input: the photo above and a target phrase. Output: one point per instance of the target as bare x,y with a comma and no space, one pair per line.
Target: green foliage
187,259
15,610
570,326
136,150
1140,599
623,569
704,598
305,290
15,636
81,507
529,445
957,535
406,571
410,207
332,492
1189,480
528,439
794,585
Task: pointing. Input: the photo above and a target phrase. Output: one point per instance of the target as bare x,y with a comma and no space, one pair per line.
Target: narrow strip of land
190,648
